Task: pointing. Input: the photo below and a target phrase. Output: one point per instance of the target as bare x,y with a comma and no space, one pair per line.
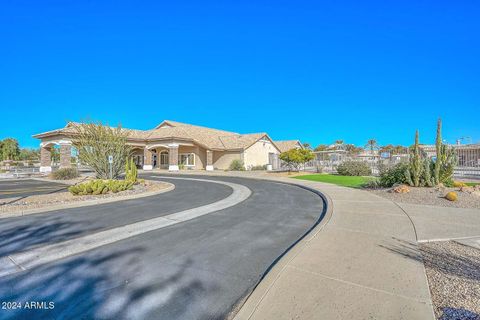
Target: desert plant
98,186
459,184
422,171
65,174
448,161
438,147
354,168
452,196
427,179
95,142
414,171
131,172
236,165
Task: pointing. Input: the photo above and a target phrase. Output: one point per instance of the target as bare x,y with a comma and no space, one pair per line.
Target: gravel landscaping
453,272
431,196
9,205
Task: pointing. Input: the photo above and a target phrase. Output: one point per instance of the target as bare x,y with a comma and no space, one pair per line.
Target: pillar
209,166
65,154
45,159
173,157
147,159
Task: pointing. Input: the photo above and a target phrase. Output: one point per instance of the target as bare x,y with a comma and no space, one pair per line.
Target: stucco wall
222,159
257,154
200,155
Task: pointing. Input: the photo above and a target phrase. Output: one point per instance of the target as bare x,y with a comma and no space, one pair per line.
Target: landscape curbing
359,265
251,308
86,203
43,254
272,273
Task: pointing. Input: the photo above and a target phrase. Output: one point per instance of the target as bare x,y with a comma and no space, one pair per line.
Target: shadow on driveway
93,287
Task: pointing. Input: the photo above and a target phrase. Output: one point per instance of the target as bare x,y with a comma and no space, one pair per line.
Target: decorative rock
401,189
467,189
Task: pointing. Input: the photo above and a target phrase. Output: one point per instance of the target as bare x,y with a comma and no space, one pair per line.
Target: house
172,145
285,145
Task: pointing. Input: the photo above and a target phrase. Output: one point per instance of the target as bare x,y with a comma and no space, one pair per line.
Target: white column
209,166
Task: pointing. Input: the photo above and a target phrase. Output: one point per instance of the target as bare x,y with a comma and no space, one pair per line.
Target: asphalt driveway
28,187
197,269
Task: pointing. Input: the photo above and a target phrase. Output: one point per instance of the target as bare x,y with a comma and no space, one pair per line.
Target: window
187,159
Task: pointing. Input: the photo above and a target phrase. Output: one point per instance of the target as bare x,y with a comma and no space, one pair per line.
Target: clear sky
313,70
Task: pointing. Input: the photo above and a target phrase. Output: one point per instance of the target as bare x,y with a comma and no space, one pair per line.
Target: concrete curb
269,277
40,255
86,203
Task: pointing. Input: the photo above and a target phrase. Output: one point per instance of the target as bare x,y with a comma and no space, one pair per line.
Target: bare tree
95,142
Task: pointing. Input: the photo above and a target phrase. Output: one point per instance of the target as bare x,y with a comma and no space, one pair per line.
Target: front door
164,160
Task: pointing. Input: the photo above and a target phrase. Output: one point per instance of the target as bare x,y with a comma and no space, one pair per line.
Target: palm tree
372,145
389,148
321,147
352,149
399,149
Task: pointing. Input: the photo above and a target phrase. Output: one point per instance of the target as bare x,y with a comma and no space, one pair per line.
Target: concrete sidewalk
362,262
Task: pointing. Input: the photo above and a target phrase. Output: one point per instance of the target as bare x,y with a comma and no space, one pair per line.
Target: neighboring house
286,145
172,144
368,156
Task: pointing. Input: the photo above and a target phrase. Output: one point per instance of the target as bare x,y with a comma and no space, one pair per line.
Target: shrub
372,184
390,176
236,165
258,168
452,196
65,174
354,168
96,187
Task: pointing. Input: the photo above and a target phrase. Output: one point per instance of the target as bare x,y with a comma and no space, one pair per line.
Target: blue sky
313,70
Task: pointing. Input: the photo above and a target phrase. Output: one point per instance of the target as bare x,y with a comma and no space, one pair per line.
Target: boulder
401,189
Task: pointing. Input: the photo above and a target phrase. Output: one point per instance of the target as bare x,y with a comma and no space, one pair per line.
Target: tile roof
207,137
240,141
285,145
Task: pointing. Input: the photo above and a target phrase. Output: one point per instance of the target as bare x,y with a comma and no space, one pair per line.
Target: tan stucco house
171,145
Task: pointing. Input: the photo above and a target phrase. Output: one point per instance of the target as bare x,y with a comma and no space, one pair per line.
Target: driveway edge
271,274
86,203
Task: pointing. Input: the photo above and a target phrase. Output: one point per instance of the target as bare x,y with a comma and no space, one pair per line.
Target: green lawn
472,184
346,181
